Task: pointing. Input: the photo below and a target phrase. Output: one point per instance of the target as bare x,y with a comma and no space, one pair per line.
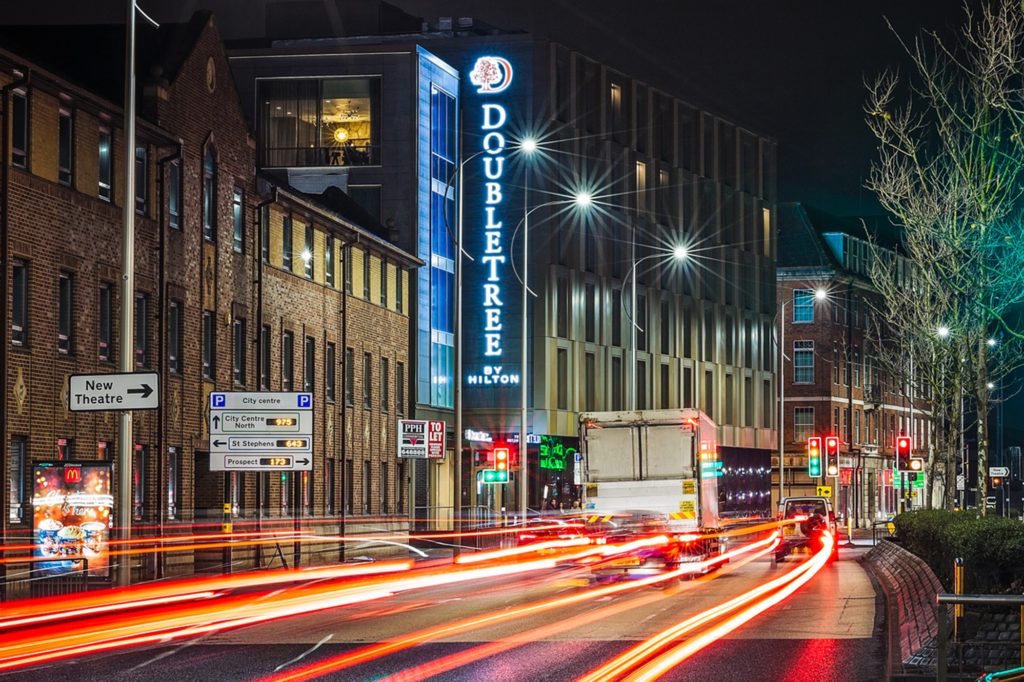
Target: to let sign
435,440
102,392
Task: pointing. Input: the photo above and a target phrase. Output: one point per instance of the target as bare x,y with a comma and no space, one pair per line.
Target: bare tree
951,173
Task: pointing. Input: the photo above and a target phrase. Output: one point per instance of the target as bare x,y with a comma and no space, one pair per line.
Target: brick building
832,381
220,290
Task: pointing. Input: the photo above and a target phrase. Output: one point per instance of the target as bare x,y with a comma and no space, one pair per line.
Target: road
823,632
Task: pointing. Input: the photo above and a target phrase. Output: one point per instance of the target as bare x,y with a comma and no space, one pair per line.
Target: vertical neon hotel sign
492,76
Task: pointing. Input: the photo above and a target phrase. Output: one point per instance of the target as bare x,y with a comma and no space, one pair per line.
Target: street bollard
849,532
958,589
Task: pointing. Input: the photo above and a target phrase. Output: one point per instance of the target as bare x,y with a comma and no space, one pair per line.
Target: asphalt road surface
829,630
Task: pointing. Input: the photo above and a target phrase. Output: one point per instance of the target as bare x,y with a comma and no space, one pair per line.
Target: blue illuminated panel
437,137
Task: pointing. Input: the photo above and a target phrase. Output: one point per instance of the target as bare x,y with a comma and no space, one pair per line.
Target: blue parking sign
218,400
305,400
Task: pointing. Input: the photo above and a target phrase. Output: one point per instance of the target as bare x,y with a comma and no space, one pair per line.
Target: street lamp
820,294
679,253
581,200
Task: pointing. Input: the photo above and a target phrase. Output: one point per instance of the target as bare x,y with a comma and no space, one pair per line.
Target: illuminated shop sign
492,75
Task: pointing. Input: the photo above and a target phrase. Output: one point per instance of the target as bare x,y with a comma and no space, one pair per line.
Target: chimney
444,23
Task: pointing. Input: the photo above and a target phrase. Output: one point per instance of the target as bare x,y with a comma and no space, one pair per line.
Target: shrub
991,548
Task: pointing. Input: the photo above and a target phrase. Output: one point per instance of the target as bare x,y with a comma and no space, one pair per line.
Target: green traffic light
495,476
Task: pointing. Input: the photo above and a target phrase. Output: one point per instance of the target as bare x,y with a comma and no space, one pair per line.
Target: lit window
803,305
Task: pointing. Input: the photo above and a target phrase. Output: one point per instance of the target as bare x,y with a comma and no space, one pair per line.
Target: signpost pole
125,437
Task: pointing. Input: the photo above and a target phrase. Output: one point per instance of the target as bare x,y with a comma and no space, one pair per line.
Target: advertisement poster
71,517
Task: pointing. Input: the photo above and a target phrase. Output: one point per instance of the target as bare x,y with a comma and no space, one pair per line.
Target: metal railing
351,153
880,529
30,583
943,603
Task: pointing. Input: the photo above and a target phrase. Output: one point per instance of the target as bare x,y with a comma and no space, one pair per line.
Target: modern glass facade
437,153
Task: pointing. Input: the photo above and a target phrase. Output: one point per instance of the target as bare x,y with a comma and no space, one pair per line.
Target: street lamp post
678,253
582,200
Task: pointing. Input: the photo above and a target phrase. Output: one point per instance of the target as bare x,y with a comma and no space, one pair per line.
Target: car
546,528
801,519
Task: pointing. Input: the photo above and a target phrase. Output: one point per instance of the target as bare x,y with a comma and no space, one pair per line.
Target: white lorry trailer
654,464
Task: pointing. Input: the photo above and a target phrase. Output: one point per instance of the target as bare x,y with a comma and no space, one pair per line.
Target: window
330,372
141,179
400,388
319,122
309,371
209,195
19,129
173,487
688,387
767,409
346,267
641,385
265,358
329,486
383,487
709,394
329,262
856,427
19,311
563,307
835,365
106,163
142,330
106,331
138,481
385,384
563,379
590,379
616,383
366,275
366,486
287,361
400,488
307,252
16,481
803,424
641,181
65,314
286,481
367,381
349,490
399,290
238,220
66,143
615,102
174,194
350,376
803,305
640,318
384,283
238,364
174,337
209,345
286,244
589,314
803,362
666,327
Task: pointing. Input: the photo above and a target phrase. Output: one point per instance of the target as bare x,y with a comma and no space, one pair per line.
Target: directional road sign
261,431
101,392
999,471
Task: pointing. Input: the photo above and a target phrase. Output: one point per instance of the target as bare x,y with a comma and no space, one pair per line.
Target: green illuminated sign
554,453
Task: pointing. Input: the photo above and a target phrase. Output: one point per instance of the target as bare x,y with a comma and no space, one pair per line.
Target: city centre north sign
488,367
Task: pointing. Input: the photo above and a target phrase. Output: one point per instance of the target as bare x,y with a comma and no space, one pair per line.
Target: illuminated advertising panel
71,517
493,209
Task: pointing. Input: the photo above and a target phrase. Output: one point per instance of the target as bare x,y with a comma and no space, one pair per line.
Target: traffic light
814,456
499,474
997,481
903,447
916,465
831,455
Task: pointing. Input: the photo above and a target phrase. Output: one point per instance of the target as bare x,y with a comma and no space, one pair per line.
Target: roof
801,228
92,55
334,204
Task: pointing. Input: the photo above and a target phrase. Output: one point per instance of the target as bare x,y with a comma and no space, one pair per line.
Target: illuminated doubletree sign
492,76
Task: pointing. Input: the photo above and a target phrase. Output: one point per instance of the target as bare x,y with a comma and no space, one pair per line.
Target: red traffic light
903,446
501,459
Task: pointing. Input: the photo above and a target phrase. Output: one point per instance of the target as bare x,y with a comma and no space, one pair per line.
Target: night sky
790,69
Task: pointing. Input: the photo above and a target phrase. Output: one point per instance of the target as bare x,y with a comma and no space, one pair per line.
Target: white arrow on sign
102,392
